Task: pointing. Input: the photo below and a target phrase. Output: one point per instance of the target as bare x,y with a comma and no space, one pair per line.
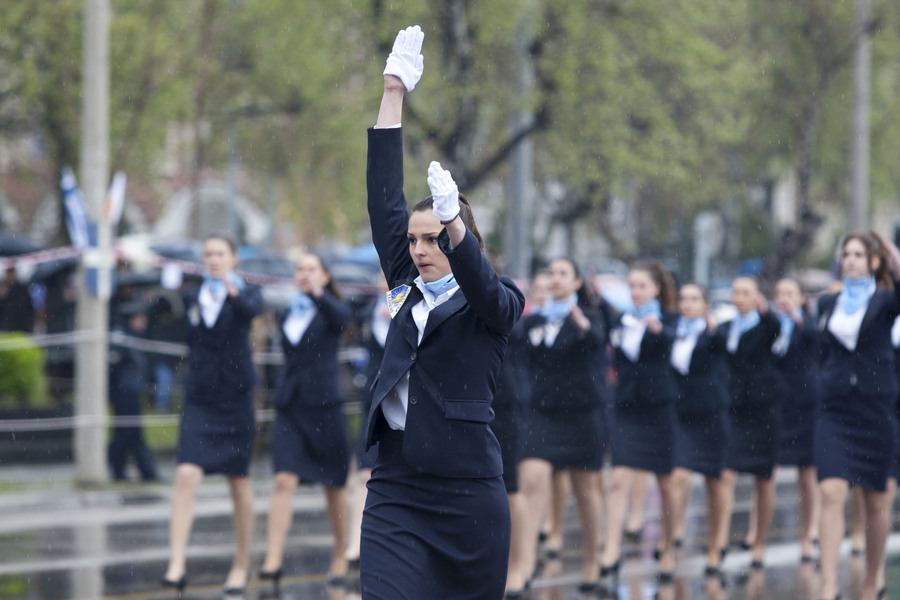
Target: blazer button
412,356
853,379
412,400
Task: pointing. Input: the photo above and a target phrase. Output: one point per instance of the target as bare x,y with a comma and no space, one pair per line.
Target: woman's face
218,258
563,282
855,259
643,288
744,294
540,289
309,274
422,233
788,296
691,303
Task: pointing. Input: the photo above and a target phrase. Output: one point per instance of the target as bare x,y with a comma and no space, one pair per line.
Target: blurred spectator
16,309
163,326
60,310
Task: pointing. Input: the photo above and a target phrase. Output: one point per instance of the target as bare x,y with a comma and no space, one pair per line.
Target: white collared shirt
845,327
396,404
682,352
294,326
632,335
210,306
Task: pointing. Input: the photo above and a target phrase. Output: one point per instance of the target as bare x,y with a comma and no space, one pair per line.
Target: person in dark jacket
16,307
756,389
436,522
855,433
218,424
127,382
309,435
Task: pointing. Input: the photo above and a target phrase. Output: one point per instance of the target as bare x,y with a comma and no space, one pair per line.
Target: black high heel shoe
273,576
178,584
610,570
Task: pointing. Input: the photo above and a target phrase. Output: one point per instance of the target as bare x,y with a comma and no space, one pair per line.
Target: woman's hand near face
653,324
230,287
762,305
581,322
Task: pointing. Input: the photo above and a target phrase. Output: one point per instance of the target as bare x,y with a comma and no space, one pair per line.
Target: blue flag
76,212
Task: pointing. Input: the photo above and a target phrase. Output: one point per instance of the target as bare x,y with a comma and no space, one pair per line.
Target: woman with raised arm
217,421
309,435
854,438
436,523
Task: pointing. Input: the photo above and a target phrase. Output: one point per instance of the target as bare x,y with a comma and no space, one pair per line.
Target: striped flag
115,199
76,212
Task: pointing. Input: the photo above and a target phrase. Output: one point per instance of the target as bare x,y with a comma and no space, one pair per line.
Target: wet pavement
58,541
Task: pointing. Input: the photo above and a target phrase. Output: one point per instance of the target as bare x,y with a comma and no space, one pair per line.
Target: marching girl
702,405
565,339
755,391
854,439
309,439
436,522
644,422
796,357
217,421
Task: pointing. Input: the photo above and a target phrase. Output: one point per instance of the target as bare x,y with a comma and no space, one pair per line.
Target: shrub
22,379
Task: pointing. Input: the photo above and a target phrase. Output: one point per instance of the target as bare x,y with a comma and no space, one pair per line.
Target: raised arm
401,74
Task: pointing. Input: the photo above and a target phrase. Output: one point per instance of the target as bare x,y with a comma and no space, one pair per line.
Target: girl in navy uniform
436,523
644,422
565,339
755,389
309,436
796,358
855,432
701,372
217,421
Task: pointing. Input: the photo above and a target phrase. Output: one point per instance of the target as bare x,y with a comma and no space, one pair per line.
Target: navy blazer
870,367
311,367
705,387
799,365
650,380
568,374
221,360
753,380
454,370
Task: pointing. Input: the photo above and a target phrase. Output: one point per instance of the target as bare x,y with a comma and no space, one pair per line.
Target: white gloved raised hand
444,192
406,60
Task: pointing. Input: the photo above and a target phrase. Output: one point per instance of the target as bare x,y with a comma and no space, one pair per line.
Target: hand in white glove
444,192
405,60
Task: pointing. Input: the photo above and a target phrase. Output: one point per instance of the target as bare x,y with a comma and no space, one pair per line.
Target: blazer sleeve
336,313
249,303
495,300
388,216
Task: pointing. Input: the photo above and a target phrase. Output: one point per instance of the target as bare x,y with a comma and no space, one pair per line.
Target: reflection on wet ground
58,542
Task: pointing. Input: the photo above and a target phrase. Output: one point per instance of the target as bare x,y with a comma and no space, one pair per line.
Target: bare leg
281,514
535,476
857,520
559,501
587,497
831,532
187,478
636,500
809,509
765,507
681,485
357,504
668,510
622,479
242,499
728,481
336,504
878,524
715,503
515,579
891,492
750,536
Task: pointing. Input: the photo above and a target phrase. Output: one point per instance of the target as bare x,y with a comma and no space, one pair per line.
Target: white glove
444,192
405,60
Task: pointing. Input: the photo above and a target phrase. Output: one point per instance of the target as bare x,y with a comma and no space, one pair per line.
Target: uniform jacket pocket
468,410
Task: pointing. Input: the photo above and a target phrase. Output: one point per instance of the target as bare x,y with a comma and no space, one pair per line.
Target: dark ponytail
465,213
668,296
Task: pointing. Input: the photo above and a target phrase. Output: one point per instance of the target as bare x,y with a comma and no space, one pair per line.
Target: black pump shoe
610,570
178,584
273,576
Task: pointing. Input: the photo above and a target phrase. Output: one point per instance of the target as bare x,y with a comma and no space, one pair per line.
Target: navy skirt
754,438
311,443
855,440
567,439
701,438
431,537
218,436
644,437
798,423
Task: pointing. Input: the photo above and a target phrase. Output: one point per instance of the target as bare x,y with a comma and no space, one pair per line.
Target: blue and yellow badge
396,297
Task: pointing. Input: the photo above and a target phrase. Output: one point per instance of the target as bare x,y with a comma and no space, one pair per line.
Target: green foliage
22,381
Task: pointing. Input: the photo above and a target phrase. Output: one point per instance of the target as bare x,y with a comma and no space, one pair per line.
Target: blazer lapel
441,313
404,320
874,308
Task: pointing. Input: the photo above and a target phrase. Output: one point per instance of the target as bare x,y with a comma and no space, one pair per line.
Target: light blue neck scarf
301,304
856,292
216,286
442,285
690,327
557,310
648,309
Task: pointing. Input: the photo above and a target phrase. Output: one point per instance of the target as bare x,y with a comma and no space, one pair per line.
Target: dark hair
875,247
330,286
225,236
465,213
662,278
703,291
586,296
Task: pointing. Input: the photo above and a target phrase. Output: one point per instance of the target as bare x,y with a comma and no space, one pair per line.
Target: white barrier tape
40,257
